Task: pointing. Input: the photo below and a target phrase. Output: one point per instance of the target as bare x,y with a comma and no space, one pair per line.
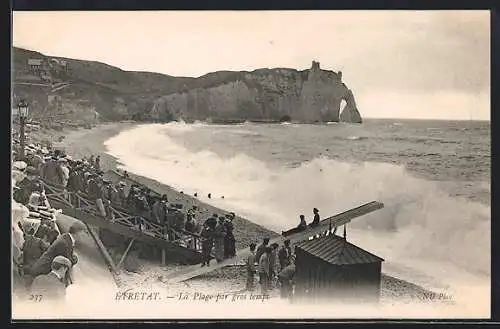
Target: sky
399,64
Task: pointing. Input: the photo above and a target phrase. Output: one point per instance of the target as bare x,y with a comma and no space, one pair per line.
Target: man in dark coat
286,277
261,249
156,210
26,186
52,286
74,183
62,246
284,254
229,241
33,249
207,243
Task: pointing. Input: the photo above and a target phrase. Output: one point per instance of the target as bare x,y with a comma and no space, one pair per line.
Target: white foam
419,226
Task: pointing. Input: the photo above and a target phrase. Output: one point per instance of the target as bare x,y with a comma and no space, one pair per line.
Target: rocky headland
88,91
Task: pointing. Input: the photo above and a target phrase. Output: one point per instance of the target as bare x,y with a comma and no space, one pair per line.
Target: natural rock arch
350,111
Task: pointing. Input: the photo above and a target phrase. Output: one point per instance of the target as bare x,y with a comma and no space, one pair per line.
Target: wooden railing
114,214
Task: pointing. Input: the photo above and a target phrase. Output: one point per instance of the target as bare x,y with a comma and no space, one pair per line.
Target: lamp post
23,109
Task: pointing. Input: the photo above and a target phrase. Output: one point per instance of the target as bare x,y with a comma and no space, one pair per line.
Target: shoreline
83,142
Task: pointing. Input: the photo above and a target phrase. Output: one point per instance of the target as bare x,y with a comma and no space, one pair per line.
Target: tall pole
22,121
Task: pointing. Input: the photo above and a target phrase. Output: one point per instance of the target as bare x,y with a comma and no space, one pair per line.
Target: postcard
251,165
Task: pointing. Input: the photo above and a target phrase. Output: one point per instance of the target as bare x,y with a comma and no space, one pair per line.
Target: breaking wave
419,221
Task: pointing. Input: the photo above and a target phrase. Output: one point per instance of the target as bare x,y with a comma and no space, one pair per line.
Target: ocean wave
421,220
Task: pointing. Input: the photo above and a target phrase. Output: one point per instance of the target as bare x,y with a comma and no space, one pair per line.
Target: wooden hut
329,268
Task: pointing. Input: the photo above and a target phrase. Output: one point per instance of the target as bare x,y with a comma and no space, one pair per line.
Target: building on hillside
35,66
331,269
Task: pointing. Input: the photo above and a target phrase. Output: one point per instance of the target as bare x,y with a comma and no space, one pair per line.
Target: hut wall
318,280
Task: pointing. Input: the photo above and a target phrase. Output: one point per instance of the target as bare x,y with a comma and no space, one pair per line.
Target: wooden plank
125,253
189,272
94,233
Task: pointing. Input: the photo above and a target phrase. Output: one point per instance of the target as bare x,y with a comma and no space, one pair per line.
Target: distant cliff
312,95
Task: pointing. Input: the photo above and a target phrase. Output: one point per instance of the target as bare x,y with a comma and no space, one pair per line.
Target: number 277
36,298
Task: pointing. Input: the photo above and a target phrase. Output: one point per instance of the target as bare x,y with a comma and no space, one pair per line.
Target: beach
84,142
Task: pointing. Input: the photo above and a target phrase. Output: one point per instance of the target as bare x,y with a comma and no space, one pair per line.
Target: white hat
20,165
63,261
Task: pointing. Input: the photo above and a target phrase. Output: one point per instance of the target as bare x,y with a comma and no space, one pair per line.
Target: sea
433,178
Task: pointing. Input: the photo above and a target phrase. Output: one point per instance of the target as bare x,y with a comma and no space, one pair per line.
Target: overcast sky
407,64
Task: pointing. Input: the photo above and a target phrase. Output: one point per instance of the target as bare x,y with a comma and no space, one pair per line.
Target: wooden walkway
326,225
120,222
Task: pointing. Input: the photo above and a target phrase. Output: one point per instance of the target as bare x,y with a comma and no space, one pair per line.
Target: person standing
285,278
207,243
229,240
284,254
33,248
261,249
251,268
264,270
122,194
95,194
219,235
63,246
273,263
26,186
52,286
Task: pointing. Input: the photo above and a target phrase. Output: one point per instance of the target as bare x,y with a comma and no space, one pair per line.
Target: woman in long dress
220,234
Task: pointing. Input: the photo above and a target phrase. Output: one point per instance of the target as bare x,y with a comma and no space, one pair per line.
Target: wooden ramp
325,225
125,224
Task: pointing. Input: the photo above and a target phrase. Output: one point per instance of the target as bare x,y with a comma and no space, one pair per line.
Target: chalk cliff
313,95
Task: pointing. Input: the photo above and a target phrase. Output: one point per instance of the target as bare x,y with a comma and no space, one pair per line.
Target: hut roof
335,250
35,61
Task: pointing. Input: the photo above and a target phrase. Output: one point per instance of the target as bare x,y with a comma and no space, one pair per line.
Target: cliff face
309,96
312,95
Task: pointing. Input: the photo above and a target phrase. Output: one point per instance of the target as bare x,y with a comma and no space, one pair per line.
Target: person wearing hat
95,193
315,221
33,248
211,221
38,197
157,210
286,278
63,246
250,265
264,270
284,254
190,225
273,262
75,183
52,286
52,171
229,240
64,171
26,186
122,195
207,243
219,234
261,248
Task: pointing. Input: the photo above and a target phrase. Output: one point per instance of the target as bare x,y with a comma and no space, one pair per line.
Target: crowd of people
85,178
274,267
43,256
48,256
